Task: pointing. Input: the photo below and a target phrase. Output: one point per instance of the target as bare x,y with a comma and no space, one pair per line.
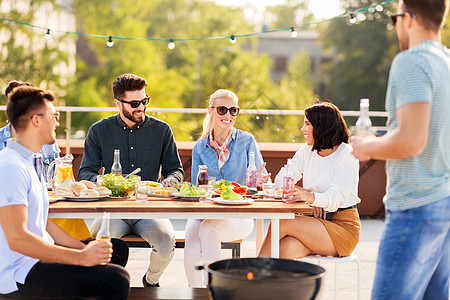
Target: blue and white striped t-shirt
421,74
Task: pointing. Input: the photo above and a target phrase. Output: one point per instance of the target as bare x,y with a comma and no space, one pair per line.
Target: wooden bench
163,293
133,240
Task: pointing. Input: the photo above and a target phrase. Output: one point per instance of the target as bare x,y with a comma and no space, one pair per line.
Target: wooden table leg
259,234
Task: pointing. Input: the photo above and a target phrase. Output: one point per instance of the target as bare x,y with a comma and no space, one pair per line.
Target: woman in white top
330,176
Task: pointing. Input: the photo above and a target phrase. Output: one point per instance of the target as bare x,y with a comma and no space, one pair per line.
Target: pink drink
252,177
288,189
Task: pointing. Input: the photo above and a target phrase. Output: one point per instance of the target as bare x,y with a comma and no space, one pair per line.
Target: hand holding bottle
96,253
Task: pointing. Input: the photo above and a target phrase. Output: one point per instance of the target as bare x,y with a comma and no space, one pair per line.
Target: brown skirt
344,230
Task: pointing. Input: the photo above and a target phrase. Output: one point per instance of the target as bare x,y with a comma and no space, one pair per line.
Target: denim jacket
49,152
235,168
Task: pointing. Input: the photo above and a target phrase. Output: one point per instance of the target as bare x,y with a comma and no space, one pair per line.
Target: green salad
192,190
119,185
221,182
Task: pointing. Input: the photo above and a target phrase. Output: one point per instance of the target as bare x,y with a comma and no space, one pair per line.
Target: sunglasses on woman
222,110
136,103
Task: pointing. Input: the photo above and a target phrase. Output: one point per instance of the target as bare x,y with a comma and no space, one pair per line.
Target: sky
322,9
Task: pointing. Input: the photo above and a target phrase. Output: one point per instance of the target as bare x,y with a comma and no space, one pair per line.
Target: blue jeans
158,233
414,255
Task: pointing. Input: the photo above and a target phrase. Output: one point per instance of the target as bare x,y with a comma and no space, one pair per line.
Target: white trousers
203,243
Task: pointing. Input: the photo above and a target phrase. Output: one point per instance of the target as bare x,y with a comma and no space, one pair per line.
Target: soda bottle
252,173
116,167
363,124
103,234
288,183
202,176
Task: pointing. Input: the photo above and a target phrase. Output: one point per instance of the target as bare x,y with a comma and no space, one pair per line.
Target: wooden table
157,208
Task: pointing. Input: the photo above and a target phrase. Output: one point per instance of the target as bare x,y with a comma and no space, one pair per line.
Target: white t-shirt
333,179
20,185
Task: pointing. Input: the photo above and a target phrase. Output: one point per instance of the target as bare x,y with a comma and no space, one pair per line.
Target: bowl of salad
121,186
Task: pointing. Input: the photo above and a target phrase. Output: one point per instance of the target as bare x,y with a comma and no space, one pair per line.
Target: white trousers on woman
203,243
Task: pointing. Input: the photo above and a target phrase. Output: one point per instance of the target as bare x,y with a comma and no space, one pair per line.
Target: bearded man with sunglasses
144,142
414,255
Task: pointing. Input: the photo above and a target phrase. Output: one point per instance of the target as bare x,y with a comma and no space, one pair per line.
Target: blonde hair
221,93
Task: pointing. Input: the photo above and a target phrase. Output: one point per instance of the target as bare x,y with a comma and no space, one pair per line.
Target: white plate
154,183
234,202
54,198
74,198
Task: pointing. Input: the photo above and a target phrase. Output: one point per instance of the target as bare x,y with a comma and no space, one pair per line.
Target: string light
48,35
171,44
373,9
110,42
293,33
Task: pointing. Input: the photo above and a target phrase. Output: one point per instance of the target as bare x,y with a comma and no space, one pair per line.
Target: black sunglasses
136,103
222,110
394,17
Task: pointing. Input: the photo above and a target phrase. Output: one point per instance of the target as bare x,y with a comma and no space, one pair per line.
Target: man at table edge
75,227
39,259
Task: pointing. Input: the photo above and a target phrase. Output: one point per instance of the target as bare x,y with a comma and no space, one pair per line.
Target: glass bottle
252,173
103,234
202,175
363,124
116,167
288,183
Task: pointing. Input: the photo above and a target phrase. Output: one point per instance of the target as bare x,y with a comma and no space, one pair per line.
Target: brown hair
127,82
23,102
430,13
15,83
329,127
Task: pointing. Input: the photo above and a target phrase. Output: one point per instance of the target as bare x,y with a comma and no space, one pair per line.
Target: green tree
24,52
363,54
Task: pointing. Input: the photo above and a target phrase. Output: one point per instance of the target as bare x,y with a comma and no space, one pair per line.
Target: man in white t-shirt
38,258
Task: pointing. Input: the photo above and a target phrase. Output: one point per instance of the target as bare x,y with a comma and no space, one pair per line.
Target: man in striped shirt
414,254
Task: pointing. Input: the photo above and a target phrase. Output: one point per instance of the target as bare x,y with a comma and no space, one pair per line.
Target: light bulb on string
233,39
352,18
48,35
293,33
110,42
379,7
171,44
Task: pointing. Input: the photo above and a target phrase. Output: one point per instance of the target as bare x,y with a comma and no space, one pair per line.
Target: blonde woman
225,150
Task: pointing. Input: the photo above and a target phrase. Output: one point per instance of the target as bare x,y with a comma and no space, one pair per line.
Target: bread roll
89,193
63,191
103,190
77,187
163,191
88,184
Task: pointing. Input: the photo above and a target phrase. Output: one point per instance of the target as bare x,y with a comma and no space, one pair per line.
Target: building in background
282,48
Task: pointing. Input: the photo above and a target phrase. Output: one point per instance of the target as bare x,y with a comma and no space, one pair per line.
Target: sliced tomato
235,184
218,191
241,190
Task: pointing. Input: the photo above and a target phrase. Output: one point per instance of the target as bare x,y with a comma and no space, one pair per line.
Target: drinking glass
99,180
205,198
141,192
269,191
212,183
